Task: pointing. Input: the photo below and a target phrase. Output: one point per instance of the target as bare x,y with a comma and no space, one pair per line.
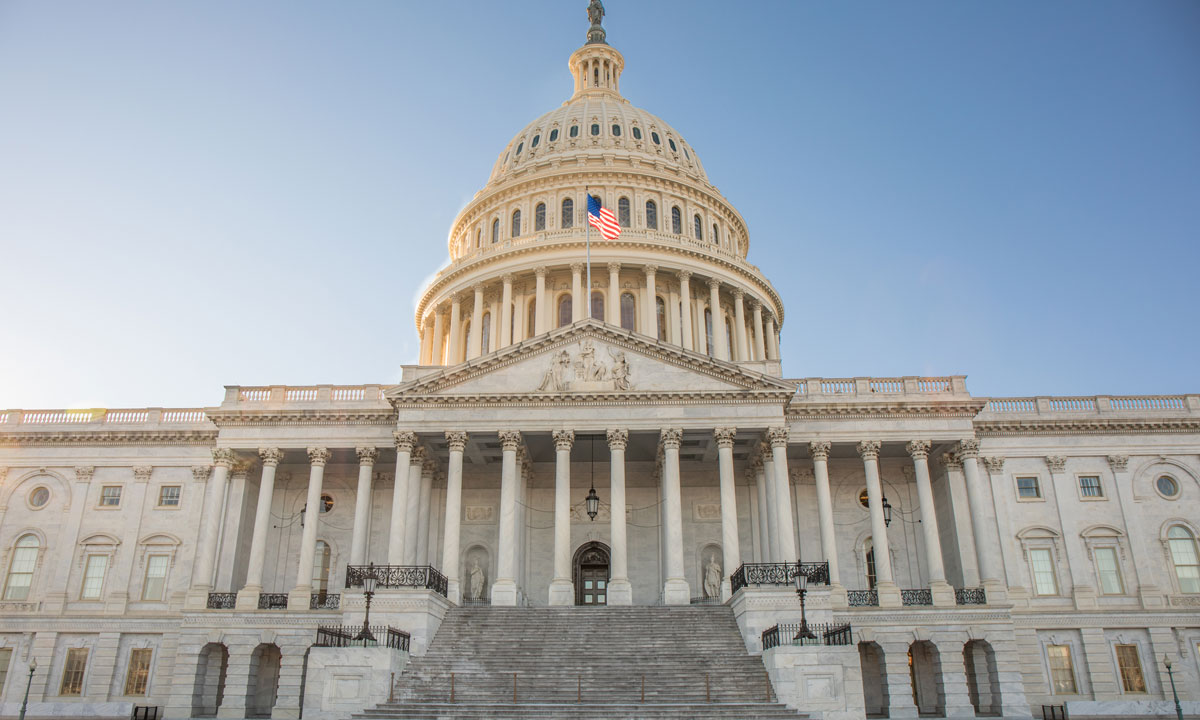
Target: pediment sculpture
585,372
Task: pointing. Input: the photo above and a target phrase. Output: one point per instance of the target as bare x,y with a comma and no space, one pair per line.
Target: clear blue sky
195,194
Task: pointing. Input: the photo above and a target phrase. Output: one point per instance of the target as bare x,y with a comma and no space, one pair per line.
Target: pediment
589,358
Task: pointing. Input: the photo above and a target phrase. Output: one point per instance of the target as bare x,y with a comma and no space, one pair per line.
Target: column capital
507,278
672,438
419,456
200,473
576,268
968,448
1118,463
993,463
510,439
714,283
141,473
618,439
614,267
540,271
83,473
318,455
271,457
869,449
684,276
478,288
778,437
819,449
951,461
725,436
755,305
650,268
223,457
564,439
919,449
405,440
367,455
738,293
456,439
1057,463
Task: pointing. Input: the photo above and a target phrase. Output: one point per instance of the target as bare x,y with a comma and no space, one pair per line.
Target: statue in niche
712,577
476,581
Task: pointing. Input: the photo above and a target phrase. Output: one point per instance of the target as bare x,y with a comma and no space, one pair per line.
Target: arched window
623,212
20,570
520,147
485,342
637,133
574,131
496,230
869,548
539,217
628,311
616,129
598,305
1185,558
661,311
716,236
516,224
676,220
568,214
320,581
553,134
564,310
531,321
479,238
651,215
534,143
729,336
595,128
697,227
708,330
466,335
654,137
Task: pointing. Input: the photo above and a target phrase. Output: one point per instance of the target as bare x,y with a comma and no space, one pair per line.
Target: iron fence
778,574
347,636
706,601
324,601
916,596
789,634
1054,712
272,601
221,601
970,596
393,576
862,598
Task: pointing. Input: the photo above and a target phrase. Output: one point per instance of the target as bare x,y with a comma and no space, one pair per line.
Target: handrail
394,576
791,634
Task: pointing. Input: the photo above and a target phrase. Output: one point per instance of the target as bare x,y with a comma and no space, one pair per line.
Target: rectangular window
168,496
1062,674
139,671
5,660
156,577
72,679
110,496
1028,488
1089,486
1130,666
93,577
1042,562
1109,571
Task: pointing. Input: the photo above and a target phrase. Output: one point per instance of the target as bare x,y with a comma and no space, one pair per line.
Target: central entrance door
591,574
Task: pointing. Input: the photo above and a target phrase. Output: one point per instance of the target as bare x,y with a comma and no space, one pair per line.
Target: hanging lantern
592,501
887,513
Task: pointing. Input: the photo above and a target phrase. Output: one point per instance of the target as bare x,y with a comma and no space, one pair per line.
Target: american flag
603,219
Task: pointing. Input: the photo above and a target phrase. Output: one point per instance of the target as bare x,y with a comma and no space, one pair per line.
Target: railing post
451,687
767,677
707,689
392,688
514,688
579,688
643,688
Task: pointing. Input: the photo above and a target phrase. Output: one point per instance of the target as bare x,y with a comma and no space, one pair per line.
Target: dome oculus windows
520,147
39,497
637,133
1167,487
553,134
669,142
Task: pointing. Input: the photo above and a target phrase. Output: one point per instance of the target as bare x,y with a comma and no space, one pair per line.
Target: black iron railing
916,596
345,636
706,601
394,576
1054,712
324,601
778,574
862,598
144,712
221,601
272,601
476,602
790,634
970,596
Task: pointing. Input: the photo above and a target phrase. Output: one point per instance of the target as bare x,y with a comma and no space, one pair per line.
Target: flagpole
587,234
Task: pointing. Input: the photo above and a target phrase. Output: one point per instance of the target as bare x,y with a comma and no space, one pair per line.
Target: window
534,143
651,215
1042,562
1109,571
1028,488
485,343
672,144
531,321
697,227
623,212
708,331
479,238
326,504
5,661
869,547
1185,558
20,571
1167,486
516,224
1062,674
110,496
39,497
654,137
616,129
1089,486
716,235
564,310
568,214
1130,667
539,217
520,147
628,311
660,310
676,220
72,678
321,567
728,335
168,496
595,129
598,305
496,230
637,133
574,131
685,153
553,134
93,577
139,671
156,577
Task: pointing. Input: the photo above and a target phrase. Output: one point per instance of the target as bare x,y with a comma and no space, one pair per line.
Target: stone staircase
584,662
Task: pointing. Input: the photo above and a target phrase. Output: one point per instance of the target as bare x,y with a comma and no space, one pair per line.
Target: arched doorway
983,679
208,691
874,679
591,572
263,689
925,676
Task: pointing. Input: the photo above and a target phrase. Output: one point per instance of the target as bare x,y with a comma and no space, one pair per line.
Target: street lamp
802,590
1178,709
887,512
369,581
32,667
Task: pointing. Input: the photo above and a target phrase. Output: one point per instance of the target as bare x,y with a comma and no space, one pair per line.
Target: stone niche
341,681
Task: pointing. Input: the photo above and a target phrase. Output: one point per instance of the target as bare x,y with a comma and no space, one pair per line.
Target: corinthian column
943,594
675,590
778,438
412,507
504,590
772,340
247,597
210,527
300,596
760,348
578,301
362,504
889,592
436,357
820,456
562,590
739,330
720,346
650,307
983,522
405,441
454,351
539,301
457,442
613,313
620,591
685,296
475,342
729,523
506,316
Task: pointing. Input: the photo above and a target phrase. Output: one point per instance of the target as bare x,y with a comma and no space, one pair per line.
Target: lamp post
802,590
29,683
1171,675
369,581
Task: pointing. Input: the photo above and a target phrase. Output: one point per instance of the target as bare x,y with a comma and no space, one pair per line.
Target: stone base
504,593
1152,597
562,592
299,599
943,595
823,681
676,592
454,591
1130,708
889,595
837,596
417,611
196,599
247,599
67,709
620,592
341,681
997,592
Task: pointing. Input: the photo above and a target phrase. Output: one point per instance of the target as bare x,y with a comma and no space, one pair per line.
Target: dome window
669,142
516,224
568,214
574,131
616,130
716,236
553,134
637,133
654,137
697,227
676,220
534,143
521,146
651,214
496,230
595,129
539,217
623,212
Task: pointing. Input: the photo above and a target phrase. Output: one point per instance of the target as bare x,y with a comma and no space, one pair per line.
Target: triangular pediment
589,358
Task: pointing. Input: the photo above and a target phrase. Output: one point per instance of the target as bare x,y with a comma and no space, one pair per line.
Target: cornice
883,411
291,416
733,397
1089,426
108,437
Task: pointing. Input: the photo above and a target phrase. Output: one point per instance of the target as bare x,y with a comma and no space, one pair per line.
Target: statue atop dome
595,13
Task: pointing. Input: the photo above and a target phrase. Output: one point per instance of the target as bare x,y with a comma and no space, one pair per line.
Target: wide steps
590,711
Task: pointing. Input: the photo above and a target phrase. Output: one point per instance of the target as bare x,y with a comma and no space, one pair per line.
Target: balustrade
778,574
394,576
970,596
347,636
916,596
789,634
272,601
862,598
325,601
221,601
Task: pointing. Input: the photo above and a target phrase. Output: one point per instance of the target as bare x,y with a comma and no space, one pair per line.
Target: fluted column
778,437
650,306
754,473
767,477
424,555
475,342
412,508
299,597
889,592
613,312
210,526
943,594
562,590
405,442
760,348
685,296
620,591
819,450
729,522
457,442
772,340
578,301
454,351
426,342
739,330
439,332
983,521
506,316
362,504
247,597
504,589
675,589
539,300
720,346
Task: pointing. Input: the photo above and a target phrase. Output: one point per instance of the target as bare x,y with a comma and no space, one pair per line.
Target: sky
205,193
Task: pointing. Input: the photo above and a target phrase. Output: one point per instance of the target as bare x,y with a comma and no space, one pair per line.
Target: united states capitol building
596,495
